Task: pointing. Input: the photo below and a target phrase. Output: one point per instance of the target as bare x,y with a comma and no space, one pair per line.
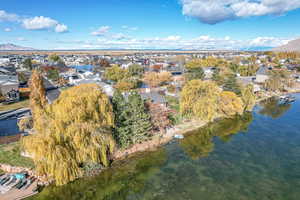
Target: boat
286,99
178,136
12,180
22,185
5,180
19,183
29,182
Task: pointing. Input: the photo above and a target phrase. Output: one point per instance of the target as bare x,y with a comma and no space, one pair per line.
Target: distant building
4,61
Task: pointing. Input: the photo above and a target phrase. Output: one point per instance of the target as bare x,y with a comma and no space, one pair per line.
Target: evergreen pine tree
232,85
122,129
140,118
194,73
133,122
216,77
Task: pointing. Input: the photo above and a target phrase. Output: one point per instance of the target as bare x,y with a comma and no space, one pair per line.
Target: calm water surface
256,156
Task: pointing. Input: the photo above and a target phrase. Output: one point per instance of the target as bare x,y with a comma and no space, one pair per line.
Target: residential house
89,77
262,75
9,87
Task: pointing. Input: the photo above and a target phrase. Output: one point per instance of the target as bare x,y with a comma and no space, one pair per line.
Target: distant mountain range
293,45
13,47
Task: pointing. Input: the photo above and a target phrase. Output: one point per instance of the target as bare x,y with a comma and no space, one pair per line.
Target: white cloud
7,29
33,23
39,23
101,31
44,23
173,38
215,11
120,36
61,28
203,42
129,28
268,41
20,39
10,17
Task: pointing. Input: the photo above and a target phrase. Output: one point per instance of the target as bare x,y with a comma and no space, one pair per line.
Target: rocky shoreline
151,145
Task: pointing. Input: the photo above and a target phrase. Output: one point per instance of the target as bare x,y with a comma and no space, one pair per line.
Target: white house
4,61
9,87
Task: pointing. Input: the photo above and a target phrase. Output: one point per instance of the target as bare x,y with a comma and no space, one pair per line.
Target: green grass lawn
173,103
10,154
17,105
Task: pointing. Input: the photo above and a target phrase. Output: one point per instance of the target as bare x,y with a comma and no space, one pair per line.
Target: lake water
256,156
83,67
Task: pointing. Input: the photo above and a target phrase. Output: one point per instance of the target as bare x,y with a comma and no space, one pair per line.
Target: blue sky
162,24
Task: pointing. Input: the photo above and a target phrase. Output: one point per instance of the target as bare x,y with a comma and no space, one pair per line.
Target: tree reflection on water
125,179
272,108
200,143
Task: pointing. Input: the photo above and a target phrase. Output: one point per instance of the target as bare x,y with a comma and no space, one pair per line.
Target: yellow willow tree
152,79
230,104
37,91
38,103
78,131
200,99
248,97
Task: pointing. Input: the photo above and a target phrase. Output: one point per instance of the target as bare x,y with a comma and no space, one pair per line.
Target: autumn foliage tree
206,62
124,85
38,93
200,99
159,116
230,104
204,100
38,103
279,79
136,70
194,73
151,79
104,63
76,130
248,97
115,73
164,77
155,79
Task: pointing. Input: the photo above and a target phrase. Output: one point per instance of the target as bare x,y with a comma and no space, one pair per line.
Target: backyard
11,154
13,106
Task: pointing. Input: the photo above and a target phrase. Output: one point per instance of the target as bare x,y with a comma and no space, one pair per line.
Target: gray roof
9,80
155,97
262,71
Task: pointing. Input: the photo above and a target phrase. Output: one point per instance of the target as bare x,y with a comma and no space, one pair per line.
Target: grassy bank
11,154
17,105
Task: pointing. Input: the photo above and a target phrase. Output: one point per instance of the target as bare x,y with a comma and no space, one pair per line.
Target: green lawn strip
17,105
173,103
11,154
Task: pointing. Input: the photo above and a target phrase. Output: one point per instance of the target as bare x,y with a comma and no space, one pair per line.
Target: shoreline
162,138
183,129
